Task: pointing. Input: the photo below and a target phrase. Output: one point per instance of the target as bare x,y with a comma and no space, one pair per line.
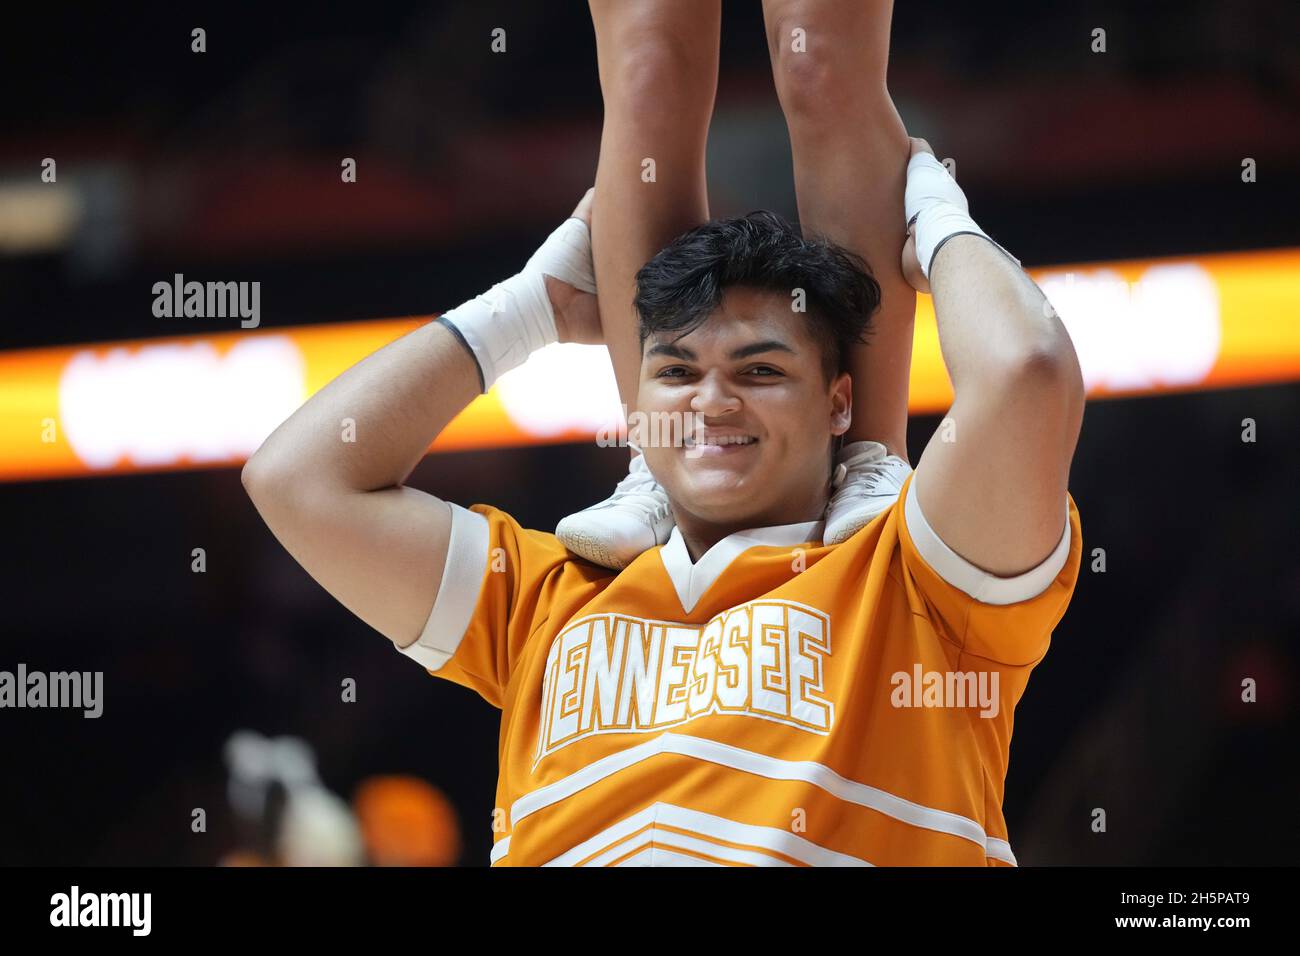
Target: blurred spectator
286,814
407,822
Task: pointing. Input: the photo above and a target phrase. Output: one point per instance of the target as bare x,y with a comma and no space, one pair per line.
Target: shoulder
501,540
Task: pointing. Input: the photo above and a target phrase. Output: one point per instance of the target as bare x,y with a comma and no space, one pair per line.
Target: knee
807,86
819,81
661,80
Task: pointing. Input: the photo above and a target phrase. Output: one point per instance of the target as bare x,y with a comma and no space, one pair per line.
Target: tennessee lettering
613,673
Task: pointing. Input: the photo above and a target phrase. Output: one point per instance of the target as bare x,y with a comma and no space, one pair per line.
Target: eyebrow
753,348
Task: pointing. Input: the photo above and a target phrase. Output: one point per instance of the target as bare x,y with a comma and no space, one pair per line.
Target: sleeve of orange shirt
496,590
1006,620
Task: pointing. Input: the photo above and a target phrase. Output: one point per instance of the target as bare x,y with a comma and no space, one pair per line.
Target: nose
713,397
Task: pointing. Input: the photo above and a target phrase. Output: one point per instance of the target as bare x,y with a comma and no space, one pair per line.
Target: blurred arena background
225,166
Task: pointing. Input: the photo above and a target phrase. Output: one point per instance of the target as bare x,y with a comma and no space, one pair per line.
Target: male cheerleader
744,694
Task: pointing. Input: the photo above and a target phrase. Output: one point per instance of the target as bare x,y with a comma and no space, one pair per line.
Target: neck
699,534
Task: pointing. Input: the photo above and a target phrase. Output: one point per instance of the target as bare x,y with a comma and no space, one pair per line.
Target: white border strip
978,583
458,594
499,849
1001,850
622,838
692,580
654,855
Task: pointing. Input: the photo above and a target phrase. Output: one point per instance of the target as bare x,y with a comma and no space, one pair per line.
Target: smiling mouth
718,447
691,442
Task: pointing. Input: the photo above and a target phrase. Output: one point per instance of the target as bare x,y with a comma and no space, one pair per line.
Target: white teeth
725,440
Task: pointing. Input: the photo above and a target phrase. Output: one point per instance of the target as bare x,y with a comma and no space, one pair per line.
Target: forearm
368,428
996,329
995,326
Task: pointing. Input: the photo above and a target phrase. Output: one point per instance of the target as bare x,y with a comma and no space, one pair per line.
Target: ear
841,403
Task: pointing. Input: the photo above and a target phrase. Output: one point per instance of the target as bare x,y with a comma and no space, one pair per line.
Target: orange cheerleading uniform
779,702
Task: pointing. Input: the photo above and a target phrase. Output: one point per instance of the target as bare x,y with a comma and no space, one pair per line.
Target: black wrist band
482,383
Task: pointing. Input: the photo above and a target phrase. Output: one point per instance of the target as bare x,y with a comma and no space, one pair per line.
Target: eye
667,372
765,368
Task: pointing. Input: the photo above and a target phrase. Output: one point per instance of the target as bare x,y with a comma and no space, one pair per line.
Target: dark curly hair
679,288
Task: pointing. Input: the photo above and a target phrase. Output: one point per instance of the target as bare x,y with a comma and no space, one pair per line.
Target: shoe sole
593,550
843,536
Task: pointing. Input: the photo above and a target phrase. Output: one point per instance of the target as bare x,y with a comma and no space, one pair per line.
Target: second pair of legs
658,62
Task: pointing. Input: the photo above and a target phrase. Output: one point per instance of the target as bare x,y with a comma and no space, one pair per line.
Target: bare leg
658,64
850,167
658,74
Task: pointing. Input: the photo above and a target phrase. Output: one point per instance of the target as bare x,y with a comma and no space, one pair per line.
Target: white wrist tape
935,201
514,318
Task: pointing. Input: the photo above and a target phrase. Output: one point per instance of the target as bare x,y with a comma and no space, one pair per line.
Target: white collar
692,580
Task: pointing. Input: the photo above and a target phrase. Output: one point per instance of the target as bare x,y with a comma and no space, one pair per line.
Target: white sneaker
867,481
635,518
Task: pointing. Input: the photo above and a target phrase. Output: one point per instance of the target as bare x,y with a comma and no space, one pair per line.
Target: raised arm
992,481
339,506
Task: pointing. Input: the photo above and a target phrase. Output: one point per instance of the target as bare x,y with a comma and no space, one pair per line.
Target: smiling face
761,417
